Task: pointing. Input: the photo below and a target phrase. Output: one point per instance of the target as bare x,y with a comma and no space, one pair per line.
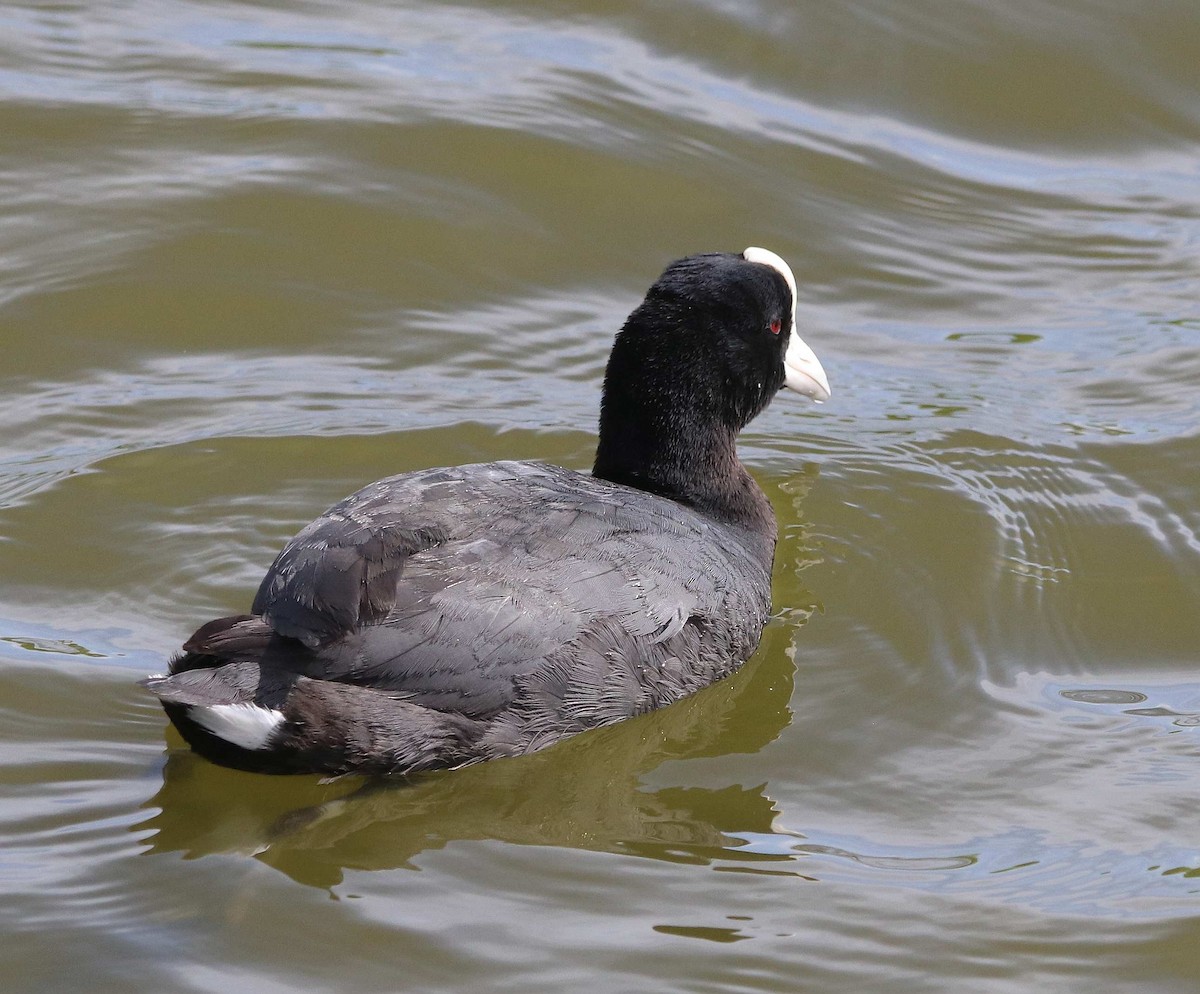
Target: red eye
775,326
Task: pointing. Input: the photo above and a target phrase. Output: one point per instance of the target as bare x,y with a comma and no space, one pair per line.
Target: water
254,256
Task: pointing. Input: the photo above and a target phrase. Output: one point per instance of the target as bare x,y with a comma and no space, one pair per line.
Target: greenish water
254,256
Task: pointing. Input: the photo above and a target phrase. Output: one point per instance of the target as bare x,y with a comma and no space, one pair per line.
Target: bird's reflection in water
586,793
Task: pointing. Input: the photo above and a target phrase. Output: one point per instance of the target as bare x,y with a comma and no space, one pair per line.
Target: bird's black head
724,318
704,353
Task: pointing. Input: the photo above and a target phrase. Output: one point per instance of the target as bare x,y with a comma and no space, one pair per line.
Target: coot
449,616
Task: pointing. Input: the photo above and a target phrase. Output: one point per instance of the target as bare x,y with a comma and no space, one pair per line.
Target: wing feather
517,586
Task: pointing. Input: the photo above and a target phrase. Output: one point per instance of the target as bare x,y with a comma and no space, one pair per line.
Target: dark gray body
454,615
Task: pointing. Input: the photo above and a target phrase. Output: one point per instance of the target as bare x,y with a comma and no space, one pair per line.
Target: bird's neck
677,445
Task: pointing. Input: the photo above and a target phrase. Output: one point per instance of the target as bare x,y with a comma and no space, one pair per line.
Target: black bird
449,616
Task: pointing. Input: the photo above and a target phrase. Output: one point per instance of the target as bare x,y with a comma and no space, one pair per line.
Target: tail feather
238,696
233,683
239,637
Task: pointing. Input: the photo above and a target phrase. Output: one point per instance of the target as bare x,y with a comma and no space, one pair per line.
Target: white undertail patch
246,726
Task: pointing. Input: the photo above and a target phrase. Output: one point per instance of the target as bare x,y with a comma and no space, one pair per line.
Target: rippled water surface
254,256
